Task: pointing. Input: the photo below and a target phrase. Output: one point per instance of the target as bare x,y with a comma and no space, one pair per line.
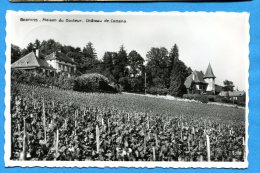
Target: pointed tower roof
209,73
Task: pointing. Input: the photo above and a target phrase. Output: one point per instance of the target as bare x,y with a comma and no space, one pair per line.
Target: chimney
37,53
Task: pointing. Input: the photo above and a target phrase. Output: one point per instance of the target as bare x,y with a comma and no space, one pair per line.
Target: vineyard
53,124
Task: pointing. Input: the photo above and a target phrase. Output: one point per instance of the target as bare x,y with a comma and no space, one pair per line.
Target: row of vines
52,124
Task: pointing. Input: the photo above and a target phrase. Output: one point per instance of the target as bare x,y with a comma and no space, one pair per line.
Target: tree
89,51
28,49
178,73
157,67
135,63
37,44
173,57
15,53
107,65
178,76
120,64
49,46
228,85
90,61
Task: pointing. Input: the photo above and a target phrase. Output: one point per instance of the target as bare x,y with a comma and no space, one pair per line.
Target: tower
209,77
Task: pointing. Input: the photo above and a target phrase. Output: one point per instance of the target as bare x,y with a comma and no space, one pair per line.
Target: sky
221,39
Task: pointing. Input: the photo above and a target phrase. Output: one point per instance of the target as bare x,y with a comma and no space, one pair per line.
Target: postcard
127,89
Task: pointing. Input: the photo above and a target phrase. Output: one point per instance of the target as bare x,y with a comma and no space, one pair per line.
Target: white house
62,63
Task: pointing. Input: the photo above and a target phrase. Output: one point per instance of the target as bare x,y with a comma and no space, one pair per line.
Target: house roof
31,61
196,77
59,56
232,93
209,73
188,81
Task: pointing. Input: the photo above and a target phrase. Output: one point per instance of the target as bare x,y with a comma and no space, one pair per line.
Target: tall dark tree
108,65
120,64
91,63
178,73
173,57
89,51
15,53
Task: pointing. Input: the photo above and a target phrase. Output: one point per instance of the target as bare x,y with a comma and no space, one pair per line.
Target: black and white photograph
127,89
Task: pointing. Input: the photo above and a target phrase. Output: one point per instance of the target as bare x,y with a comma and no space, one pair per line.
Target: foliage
179,72
15,53
38,79
166,70
136,63
137,84
108,65
157,91
93,82
125,83
228,85
120,64
198,97
157,71
217,98
221,99
90,61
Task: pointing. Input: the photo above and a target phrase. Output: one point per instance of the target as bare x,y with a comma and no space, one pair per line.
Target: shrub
222,99
159,91
219,99
125,83
198,97
212,98
93,82
32,78
137,85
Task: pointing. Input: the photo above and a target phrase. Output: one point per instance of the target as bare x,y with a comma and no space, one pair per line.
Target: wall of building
211,84
53,63
61,66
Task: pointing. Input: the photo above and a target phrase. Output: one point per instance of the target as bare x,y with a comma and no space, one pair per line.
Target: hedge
157,91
